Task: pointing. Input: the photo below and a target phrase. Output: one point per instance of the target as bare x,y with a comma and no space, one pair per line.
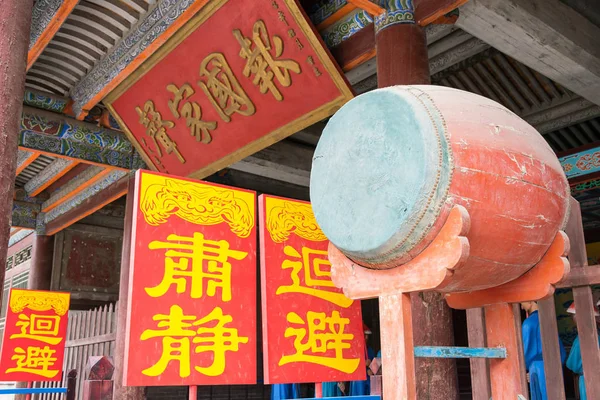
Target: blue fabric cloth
331,389
285,391
532,347
362,388
575,364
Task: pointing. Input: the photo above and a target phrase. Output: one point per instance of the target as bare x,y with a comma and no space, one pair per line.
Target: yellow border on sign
298,124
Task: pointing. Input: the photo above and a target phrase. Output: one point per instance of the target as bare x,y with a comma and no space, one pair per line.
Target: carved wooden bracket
428,271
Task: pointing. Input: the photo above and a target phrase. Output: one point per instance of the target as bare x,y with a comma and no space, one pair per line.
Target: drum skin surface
392,163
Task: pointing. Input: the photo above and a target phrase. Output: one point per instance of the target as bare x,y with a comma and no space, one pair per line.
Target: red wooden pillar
124,392
402,60
40,272
15,23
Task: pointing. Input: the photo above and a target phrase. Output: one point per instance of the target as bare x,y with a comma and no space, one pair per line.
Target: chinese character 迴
264,65
316,270
324,334
223,89
35,360
192,113
43,328
156,128
179,328
209,259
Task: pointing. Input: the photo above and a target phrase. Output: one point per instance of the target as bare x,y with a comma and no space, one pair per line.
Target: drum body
392,163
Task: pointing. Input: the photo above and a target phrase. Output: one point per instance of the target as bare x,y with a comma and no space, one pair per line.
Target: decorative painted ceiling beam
17,237
158,25
24,158
48,176
46,101
78,184
65,137
582,163
47,18
25,214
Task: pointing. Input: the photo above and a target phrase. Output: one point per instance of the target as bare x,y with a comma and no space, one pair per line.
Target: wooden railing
90,333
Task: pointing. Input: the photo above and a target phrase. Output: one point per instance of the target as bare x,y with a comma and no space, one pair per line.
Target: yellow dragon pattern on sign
286,217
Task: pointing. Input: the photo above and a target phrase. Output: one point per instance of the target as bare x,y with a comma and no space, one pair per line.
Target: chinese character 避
192,113
209,262
156,128
264,65
209,333
223,89
320,336
35,360
315,268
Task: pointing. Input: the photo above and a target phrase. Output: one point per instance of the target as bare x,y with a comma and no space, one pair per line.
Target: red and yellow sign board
192,285
311,331
33,346
239,76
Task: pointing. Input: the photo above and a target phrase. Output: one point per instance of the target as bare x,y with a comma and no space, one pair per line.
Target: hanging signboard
33,346
311,331
238,77
191,313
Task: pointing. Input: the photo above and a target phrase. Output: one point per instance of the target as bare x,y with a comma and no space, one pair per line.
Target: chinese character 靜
43,328
35,360
315,268
263,65
180,328
209,263
320,336
156,128
192,113
223,89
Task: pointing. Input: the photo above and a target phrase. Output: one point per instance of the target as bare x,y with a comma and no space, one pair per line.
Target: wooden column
480,367
40,272
584,305
402,60
124,392
15,23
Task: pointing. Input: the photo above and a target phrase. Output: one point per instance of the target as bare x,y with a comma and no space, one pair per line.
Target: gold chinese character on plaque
262,60
156,129
191,111
223,89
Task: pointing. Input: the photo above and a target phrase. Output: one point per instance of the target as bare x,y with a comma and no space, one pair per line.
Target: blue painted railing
32,390
459,352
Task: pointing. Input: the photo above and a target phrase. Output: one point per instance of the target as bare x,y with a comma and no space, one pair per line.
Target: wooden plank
581,277
516,308
459,352
67,177
48,33
551,349
501,329
86,341
480,368
397,352
368,6
53,179
26,163
359,48
336,16
89,206
79,189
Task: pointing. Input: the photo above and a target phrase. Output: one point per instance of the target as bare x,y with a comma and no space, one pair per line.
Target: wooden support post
480,367
72,385
402,60
397,349
40,272
555,387
584,304
193,392
14,43
505,374
124,392
318,390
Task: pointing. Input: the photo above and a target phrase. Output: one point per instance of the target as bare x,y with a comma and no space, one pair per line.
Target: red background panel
275,308
307,92
147,271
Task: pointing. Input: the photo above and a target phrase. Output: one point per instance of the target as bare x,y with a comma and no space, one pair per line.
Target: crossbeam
459,352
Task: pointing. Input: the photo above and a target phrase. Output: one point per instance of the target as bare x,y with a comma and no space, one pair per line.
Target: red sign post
192,293
238,77
33,346
311,331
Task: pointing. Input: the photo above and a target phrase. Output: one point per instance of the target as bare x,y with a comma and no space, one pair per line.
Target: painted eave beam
540,34
47,18
57,135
